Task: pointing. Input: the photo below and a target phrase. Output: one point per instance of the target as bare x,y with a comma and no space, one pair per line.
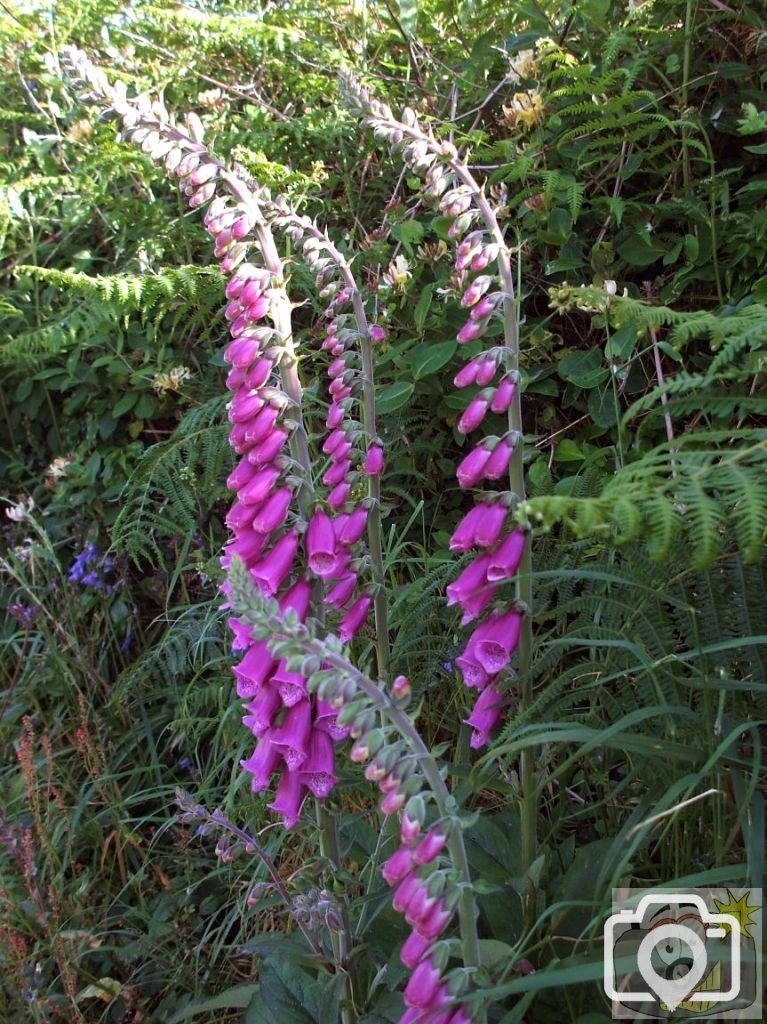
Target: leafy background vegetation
632,150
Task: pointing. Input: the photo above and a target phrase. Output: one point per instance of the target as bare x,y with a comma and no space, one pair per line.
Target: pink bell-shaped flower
289,799
318,770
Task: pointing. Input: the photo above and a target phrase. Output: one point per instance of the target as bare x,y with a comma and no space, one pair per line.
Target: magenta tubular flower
504,395
434,923
485,716
297,597
493,643
471,330
321,545
243,636
337,367
374,460
261,710
472,579
259,373
392,802
262,424
337,473
473,673
498,463
465,535
248,546
342,591
340,451
489,528
272,571
486,370
471,468
398,865
268,449
377,333
504,561
262,764
240,475
291,686
291,738
422,986
352,527
431,846
335,416
467,375
242,352
354,618
473,415
253,670
273,512
485,306
414,949
235,379
406,890
333,440
240,516
339,494
326,718
245,406
318,770
289,799
252,291
260,486
238,438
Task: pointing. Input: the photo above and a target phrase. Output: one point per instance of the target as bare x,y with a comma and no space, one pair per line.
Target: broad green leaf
290,995
409,232
125,404
427,359
568,451
237,997
423,305
393,396
408,16
584,369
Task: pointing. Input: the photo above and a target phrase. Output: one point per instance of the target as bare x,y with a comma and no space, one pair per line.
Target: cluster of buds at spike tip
489,525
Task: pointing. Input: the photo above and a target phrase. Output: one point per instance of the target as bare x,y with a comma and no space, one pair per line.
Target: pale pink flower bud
258,374
241,227
336,368
242,352
203,195
486,255
232,309
203,173
471,468
400,688
234,287
392,802
467,375
406,890
374,460
476,290
473,415
335,416
377,333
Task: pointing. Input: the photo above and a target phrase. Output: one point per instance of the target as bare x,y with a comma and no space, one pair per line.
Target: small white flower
21,510
398,274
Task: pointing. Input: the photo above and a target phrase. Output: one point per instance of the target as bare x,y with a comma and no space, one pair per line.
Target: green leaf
409,232
125,404
422,306
427,359
494,953
408,16
584,369
393,396
289,993
237,997
568,451
620,344
638,252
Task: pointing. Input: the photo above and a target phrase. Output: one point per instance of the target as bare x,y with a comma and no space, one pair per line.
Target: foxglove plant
295,560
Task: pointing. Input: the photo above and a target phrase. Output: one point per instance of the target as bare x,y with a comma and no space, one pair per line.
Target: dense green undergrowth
626,146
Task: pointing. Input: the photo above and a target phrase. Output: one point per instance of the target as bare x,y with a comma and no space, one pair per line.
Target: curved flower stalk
278,528
428,871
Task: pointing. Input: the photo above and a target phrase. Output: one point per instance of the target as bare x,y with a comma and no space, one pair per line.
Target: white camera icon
672,991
